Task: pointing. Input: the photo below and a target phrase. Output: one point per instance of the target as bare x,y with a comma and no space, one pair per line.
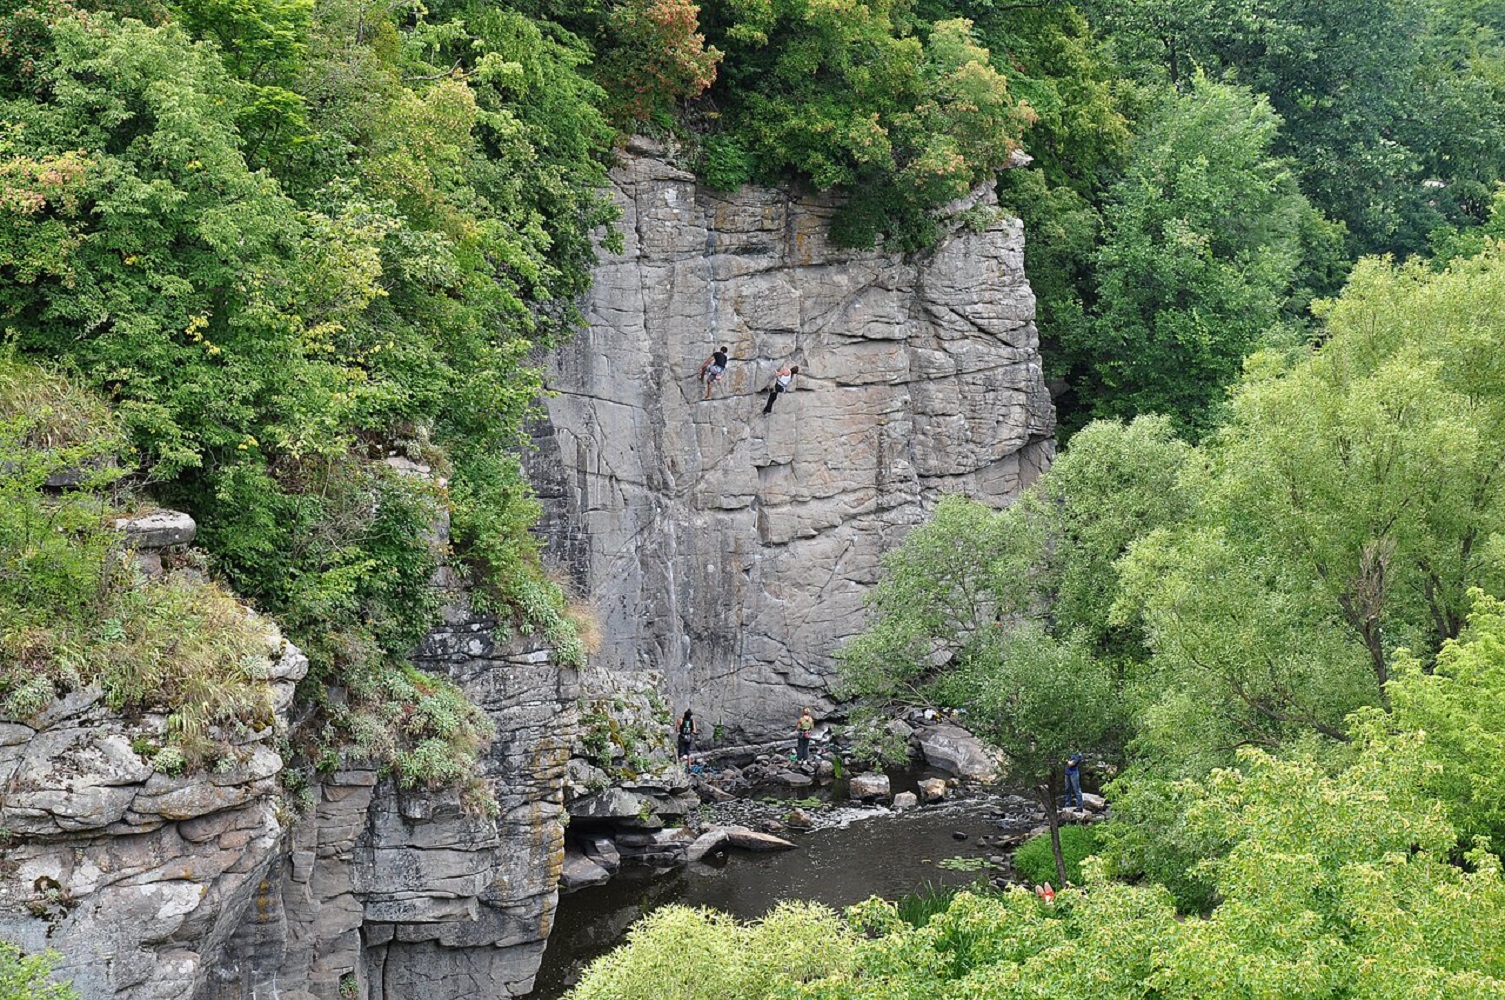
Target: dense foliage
24,977
1290,627
1335,886
296,247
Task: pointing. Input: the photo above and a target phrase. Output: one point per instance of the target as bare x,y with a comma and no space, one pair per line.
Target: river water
875,853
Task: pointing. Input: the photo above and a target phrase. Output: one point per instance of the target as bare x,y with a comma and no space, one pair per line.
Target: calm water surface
884,855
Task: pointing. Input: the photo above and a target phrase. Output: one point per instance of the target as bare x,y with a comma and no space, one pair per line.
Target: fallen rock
905,800
603,851
954,750
798,819
793,779
1096,803
713,793
157,530
825,770
899,729
710,842
933,789
958,835
751,840
579,871
871,785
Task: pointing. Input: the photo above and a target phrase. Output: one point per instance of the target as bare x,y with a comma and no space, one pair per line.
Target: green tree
655,58
1206,243
276,312
1465,741
1376,96
26,977
679,952
1109,488
1343,512
896,114
1038,700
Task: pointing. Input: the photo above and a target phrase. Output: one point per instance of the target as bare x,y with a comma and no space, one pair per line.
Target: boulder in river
954,750
871,785
579,871
603,851
933,789
751,840
709,842
905,800
793,779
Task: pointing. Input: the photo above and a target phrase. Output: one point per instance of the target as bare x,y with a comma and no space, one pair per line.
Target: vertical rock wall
731,550
403,895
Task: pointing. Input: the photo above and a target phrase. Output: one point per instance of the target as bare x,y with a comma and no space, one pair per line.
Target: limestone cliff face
726,550
731,550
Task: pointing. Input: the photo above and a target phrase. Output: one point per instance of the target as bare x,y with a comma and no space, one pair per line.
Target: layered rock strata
732,550
224,886
393,894
136,877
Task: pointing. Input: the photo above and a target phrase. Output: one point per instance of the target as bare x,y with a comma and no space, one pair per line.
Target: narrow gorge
725,553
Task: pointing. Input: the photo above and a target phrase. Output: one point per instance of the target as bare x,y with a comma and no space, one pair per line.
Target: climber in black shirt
712,370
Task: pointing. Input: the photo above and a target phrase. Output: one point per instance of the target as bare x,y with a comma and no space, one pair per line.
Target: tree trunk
1053,820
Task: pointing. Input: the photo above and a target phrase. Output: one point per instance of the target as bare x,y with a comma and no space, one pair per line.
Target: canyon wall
230,886
726,552
250,882
730,550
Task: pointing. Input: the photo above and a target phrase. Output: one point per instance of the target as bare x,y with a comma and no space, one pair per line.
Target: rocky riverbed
853,850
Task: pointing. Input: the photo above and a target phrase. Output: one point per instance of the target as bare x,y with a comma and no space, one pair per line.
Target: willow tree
1347,507
1039,699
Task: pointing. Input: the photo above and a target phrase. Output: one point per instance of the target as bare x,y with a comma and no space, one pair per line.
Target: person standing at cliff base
802,735
780,385
687,733
712,369
1073,781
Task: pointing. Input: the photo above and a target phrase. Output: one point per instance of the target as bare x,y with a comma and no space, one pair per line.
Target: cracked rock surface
212,886
732,550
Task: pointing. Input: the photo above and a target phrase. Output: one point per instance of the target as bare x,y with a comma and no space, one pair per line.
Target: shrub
76,612
725,164
916,908
1035,862
25,977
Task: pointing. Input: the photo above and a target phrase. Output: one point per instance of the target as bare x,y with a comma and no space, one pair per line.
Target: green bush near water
1036,863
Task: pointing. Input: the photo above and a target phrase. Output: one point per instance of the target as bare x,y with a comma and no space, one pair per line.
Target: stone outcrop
952,749
391,893
215,886
732,550
137,877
